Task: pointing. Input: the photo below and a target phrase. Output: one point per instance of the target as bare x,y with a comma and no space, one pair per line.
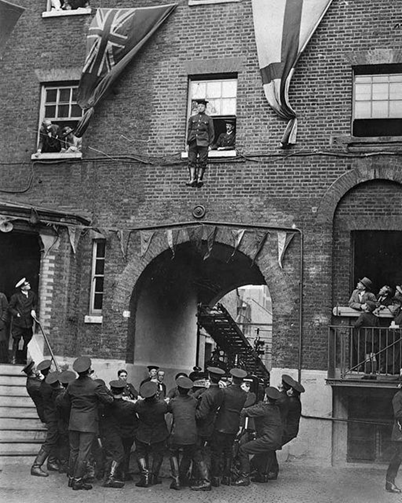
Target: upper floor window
221,94
377,101
66,7
97,277
59,115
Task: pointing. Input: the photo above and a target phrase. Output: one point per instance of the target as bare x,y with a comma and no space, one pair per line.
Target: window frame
93,311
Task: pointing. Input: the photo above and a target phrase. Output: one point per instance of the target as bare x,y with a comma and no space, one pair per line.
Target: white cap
20,282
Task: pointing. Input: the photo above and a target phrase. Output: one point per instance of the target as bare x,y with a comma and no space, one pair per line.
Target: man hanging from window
200,137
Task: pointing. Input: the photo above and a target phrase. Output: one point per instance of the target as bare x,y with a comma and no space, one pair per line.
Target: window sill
215,154
98,319
203,2
56,155
367,144
60,13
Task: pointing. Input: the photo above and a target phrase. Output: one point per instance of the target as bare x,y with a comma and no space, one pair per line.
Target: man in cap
365,340
23,309
362,293
151,433
226,141
152,374
200,137
269,429
173,392
208,405
49,389
129,391
63,418
84,395
33,388
226,428
184,435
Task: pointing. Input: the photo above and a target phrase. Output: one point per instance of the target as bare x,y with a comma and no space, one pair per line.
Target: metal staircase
21,431
231,340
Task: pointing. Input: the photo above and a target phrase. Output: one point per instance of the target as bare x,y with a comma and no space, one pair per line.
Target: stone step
22,435
21,424
16,401
25,448
17,459
12,380
7,369
18,412
10,390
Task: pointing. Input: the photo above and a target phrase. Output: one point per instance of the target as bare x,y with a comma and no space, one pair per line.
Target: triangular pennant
238,235
284,239
172,238
48,241
210,238
97,233
260,238
195,235
146,238
124,238
74,233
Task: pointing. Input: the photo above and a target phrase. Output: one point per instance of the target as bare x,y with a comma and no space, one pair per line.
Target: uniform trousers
189,453
261,447
26,334
195,150
80,450
51,444
395,463
144,449
113,445
127,445
221,445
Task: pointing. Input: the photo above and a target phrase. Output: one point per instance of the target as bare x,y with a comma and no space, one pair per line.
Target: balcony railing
368,353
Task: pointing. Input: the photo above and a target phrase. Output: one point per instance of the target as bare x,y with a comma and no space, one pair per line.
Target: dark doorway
377,255
19,257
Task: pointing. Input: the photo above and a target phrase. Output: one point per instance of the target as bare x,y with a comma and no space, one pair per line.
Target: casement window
97,277
66,8
377,104
221,93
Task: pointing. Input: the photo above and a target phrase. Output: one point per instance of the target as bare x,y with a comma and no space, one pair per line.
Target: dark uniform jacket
201,130
121,417
33,386
283,404
63,408
226,141
49,394
397,428
233,400
208,405
268,423
184,428
293,419
85,395
130,391
151,425
22,305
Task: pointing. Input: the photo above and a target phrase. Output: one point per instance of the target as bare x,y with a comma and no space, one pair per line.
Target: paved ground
297,484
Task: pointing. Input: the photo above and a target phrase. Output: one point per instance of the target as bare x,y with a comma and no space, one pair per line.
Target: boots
200,177
144,473
174,466
204,483
36,468
112,478
156,466
262,478
78,484
193,177
244,480
52,464
227,477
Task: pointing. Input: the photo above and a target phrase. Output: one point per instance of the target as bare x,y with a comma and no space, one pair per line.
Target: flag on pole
283,28
114,38
9,15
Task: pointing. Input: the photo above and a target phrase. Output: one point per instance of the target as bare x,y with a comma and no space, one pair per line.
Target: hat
20,282
272,393
216,371
367,283
27,369
180,374
184,382
45,364
230,121
248,379
288,380
298,387
52,377
239,373
67,376
201,100
148,389
100,381
371,305
82,364
151,367
117,385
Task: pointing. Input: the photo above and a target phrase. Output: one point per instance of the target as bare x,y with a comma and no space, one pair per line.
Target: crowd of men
215,427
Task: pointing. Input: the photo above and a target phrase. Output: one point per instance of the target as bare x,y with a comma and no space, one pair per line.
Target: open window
377,105
97,282
221,94
66,8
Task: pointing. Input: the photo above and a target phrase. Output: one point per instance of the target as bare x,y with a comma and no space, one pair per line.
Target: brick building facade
130,180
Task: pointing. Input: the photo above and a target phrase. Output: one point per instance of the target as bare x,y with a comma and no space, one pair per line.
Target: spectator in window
384,298
74,4
54,4
200,137
361,294
70,142
366,339
226,141
49,138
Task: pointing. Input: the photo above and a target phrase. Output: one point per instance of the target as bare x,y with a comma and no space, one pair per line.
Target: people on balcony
366,341
384,298
362,293
49,138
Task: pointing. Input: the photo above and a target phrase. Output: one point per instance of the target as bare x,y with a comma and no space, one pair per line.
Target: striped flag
9,15
114,38
283,28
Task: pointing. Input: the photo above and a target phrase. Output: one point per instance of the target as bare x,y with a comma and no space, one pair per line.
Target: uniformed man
49,389
226,428
269,430
226,141
152,374
208,405
63,418
129,391
173,392
84,395
200,137
23,309
151,433
183,436
396,438
33,388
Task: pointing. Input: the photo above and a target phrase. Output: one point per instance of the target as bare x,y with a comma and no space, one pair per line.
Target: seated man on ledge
362,294
226,141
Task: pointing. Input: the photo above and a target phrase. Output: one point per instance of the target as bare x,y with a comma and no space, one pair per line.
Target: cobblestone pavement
296,484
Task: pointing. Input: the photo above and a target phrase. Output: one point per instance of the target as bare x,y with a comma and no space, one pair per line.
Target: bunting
195,235
238,235
259,240
48,242
210,238
74,233
172,238
283,28
114,38
9,16
146,238
284,239
124,238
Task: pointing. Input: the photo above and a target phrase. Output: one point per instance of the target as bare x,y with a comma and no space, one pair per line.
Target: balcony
367,356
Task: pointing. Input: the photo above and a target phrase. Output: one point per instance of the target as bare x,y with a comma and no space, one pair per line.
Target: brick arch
347,181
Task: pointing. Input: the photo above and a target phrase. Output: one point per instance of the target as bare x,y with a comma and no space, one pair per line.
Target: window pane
362,79
363,110
363,92
380,78
99,285
380,109
198,90
395,109
380,91
395,78
395,91
100,267
75,89
229,88
65,95
76,111
98,298
51,95
214,107
214,90
63,111
100,249
229,106
50,112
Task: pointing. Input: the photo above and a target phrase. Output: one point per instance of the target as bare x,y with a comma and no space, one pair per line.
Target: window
66,7
221,93
377,101
97,277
